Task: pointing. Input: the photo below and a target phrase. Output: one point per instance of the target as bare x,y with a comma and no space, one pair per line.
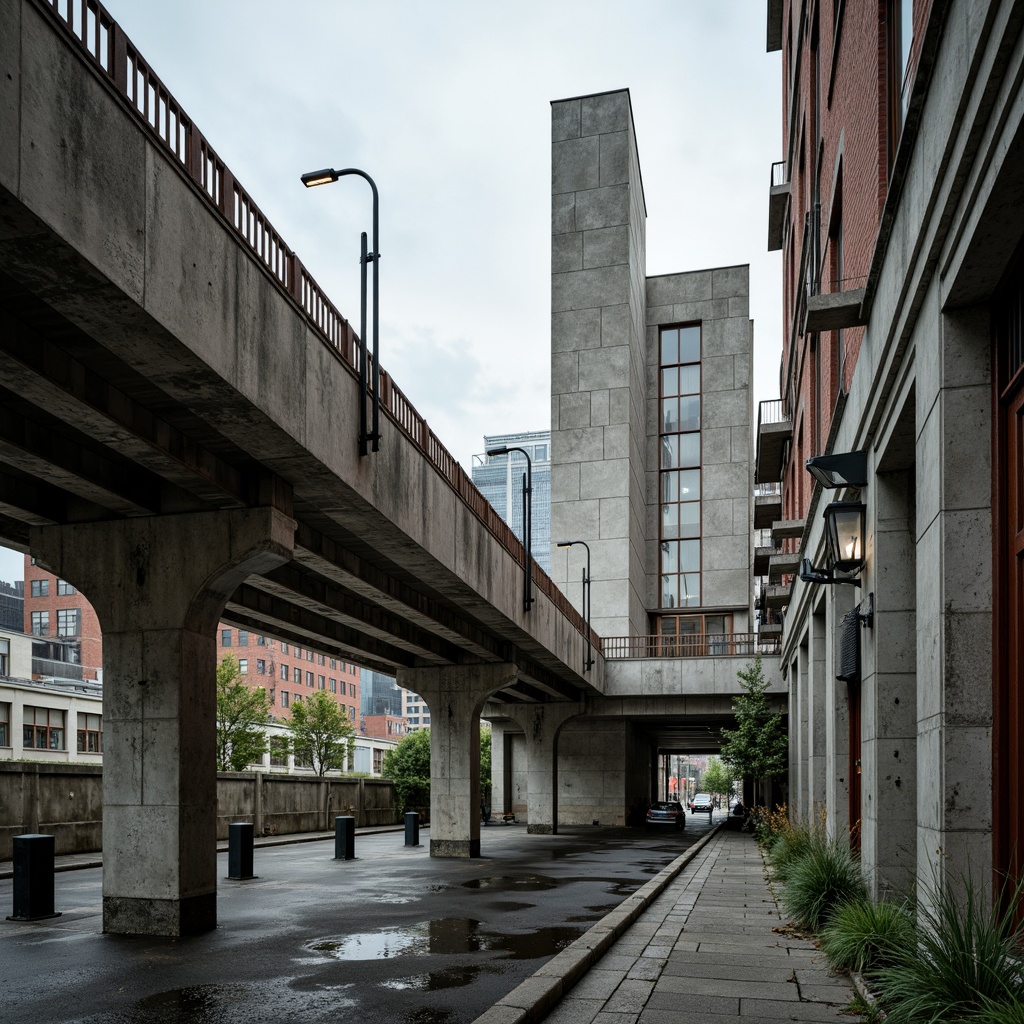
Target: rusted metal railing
699,645
109,52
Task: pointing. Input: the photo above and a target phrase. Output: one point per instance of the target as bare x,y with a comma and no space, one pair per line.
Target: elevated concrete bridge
179,439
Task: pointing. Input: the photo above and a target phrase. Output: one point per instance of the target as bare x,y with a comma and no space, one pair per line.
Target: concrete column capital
161,571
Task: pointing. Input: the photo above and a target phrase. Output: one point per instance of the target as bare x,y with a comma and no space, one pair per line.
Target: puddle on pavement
393,897
443,936
196,1003
512,883
435,981
508,906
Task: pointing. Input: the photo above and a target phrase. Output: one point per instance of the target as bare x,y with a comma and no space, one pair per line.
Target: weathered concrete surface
686,677
159,589
220,386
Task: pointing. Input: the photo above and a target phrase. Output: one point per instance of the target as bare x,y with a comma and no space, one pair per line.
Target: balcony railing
699,645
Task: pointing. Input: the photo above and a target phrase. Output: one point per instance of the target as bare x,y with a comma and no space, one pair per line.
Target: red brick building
384,727
54,608
288,672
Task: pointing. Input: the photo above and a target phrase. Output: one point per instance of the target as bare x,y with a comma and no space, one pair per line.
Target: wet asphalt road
390,937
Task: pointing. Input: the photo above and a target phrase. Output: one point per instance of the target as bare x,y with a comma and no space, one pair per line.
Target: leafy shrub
863,936
769,824
819,881
965,966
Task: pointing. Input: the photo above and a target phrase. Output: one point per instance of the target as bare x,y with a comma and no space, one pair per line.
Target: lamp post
528,597
324,177
588,659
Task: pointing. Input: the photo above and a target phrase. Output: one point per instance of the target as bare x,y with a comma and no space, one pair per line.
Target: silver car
702,802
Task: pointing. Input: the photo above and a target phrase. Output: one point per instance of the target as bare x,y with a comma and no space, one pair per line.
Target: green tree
322,735
485,764
408,766
717,779
758,747
242,713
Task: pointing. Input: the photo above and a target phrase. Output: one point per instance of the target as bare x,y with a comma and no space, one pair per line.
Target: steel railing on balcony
699,645
775,410
780,175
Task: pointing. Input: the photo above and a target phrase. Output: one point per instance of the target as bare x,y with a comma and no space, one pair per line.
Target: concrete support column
889,694
159,586
501,762
953,525
456,695
817,677
541,724
839,600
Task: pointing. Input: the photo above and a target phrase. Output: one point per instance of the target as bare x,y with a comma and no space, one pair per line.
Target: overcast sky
446,104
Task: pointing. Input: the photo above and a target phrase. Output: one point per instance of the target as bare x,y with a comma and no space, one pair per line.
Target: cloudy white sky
446,105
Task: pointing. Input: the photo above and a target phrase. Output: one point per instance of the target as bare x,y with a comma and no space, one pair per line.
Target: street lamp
528,597
588,660
844,541
324,177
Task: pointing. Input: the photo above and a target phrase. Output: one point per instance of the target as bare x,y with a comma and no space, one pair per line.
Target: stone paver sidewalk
705,950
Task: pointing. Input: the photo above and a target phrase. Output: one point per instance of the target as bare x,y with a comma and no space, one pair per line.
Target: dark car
667,812
702,802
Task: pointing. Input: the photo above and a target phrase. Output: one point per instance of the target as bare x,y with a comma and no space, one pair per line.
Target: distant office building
417,714
12,605
499,478
380,695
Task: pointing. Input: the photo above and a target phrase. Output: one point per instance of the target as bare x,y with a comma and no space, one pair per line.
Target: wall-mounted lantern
844,542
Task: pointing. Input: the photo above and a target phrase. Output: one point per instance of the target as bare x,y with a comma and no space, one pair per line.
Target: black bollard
412,828
33,878
345,838
240,838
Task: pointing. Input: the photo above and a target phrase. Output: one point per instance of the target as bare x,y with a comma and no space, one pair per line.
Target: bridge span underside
179,440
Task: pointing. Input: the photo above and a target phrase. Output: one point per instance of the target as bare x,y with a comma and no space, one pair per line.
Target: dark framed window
243,666
90,734
42,728
334,686
682,636
284,698
679,477
297,676
225,638
68,621
284,648
284,673
40,588
321,682
5,725
261,641
309,655
64,588
320,659
41,623
261,667
309,678
243,638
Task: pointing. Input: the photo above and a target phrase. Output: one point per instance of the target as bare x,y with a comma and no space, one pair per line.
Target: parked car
667,812
702,802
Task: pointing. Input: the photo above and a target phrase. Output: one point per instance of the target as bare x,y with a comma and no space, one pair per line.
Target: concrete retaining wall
66,800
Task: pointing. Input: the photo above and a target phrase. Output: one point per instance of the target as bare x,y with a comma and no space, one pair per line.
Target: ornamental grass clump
863,936
965,966
821,880
788,848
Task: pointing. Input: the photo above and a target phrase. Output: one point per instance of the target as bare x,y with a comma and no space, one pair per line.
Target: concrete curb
530,1001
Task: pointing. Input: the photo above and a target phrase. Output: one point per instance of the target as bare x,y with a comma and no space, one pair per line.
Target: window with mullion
679,400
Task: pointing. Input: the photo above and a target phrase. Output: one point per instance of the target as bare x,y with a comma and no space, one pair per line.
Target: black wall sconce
844,541
850,469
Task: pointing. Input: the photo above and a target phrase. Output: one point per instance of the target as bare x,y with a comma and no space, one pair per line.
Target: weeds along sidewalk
711,946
